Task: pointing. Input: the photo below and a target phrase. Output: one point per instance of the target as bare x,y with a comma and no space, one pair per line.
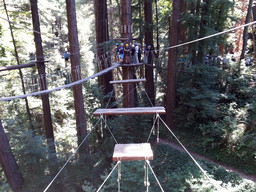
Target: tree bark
41,71
102,35
245,34
128,72
18,62
9,163
202,32
76,74
149,70
172,60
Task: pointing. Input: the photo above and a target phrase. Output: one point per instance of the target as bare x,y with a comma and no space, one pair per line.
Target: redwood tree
171,82
149,73
8,162
41,71
245,34
18,62
102,35
76,72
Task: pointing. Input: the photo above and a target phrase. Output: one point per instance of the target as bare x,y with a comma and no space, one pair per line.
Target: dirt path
201,157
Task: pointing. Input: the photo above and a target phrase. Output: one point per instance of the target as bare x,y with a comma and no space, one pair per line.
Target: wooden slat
130,111
132,152
128,81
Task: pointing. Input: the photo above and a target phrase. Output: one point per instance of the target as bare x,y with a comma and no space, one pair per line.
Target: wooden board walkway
132,152
130,111
128,81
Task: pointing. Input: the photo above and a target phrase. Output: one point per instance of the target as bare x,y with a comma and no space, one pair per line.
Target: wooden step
130,111
132,152
128,81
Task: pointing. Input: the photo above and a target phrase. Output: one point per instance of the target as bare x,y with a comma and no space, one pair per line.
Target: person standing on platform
121,52
137,53
127,54
66,57
145,52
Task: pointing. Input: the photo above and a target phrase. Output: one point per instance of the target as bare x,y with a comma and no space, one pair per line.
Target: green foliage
176,172
219,110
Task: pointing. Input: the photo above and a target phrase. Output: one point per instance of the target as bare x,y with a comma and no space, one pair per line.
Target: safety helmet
122,44
126,44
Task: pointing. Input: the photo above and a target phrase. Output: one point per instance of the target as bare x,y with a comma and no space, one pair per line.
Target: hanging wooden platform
130,111
128,81
132,152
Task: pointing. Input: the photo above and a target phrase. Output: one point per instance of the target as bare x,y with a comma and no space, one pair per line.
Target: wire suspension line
154,175
219,188
108,176
71,157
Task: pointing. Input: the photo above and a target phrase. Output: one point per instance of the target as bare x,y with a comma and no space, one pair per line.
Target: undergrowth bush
219,108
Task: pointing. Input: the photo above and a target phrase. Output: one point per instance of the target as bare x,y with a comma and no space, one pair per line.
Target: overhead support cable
210,36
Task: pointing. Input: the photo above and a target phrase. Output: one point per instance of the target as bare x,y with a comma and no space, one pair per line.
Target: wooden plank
128,81
130,111
132,152
21,66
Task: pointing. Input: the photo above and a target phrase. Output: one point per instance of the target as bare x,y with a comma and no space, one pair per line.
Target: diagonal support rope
71,157
108,176
157,117
105,121
155,175
219,188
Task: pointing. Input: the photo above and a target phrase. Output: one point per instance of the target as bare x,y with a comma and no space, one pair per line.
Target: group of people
132,54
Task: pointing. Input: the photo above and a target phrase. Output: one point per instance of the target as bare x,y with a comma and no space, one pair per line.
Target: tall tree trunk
41,71
149,70
202,32
157,30
172,60
8,163
128,72
245,34
18,62
76,74
102,35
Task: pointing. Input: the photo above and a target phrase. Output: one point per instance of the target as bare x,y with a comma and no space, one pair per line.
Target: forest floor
202,157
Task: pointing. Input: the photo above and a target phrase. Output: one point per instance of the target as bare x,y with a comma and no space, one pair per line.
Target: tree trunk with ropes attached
102,36
42,76
18,62
8,163
149,70
171,78
245,34
128,72
76,74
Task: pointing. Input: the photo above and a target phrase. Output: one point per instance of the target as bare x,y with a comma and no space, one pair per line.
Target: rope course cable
76,150
203,171
108,176
61,87
209,36
154,175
